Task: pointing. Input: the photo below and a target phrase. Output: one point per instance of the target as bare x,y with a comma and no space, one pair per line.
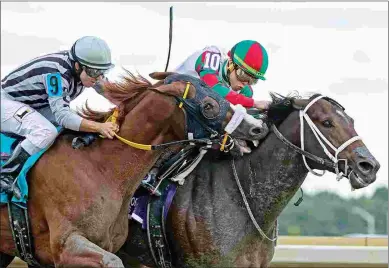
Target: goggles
245,77
94,73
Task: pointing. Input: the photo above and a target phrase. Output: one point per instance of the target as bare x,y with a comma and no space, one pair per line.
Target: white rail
346,255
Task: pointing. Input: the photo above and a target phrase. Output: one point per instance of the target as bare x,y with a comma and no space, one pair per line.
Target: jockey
36,96
233,75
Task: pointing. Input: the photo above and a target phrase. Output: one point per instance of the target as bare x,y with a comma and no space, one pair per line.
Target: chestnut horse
225,215
78,199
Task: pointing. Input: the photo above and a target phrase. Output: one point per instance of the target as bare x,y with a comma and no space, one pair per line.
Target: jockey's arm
107,129
56,87
212,78
248,92
59,105
213,81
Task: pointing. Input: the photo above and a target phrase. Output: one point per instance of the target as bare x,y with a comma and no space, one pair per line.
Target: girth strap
157,209
18,218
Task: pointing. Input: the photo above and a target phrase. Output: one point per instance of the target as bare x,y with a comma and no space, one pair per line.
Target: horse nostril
255,131
365,167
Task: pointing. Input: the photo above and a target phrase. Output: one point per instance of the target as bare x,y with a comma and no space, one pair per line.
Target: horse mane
127,89
282,106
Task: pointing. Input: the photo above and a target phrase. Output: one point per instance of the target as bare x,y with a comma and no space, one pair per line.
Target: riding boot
11,169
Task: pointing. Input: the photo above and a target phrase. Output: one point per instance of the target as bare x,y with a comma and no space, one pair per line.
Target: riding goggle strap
94,73
245,77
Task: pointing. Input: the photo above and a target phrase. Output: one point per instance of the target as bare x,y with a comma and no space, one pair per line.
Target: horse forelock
281,107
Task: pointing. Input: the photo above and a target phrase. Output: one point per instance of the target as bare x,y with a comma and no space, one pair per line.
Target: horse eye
327,123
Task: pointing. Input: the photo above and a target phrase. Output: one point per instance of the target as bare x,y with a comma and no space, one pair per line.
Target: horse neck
276,173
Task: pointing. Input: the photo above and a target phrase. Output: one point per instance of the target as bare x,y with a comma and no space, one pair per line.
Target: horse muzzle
259,133
364,168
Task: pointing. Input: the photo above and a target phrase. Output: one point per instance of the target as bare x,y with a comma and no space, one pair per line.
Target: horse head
324,129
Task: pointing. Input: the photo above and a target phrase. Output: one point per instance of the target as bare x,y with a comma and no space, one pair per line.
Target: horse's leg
79,251
5,260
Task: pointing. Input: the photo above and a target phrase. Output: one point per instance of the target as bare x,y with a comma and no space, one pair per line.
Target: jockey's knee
49,133
39,139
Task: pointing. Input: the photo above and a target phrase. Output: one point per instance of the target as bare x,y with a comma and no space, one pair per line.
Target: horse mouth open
363,173
242,147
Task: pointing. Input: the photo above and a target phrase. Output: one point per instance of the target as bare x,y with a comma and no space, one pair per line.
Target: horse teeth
246,150
256,143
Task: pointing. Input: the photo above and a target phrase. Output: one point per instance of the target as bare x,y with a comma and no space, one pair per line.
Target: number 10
212,60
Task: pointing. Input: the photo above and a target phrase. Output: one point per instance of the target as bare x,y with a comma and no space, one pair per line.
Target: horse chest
255,254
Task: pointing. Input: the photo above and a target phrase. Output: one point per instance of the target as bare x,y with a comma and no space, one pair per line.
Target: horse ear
299,104
160,75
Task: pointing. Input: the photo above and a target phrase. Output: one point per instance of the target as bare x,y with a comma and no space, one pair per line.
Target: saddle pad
6,145
138,205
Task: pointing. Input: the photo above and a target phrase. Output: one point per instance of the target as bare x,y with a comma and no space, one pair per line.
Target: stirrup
12,187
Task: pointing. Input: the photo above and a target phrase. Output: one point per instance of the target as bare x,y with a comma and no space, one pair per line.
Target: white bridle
317,133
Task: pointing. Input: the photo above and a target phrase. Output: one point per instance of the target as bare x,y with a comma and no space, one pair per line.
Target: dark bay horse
78,199
225,214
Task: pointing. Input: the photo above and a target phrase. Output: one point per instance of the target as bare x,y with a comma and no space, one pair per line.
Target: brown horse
225,215
78,199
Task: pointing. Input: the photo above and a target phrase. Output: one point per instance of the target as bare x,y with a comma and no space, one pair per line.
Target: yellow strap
113,118
224,142
134,144
185,94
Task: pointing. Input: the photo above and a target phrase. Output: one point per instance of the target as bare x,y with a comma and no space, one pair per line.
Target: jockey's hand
108,129
262,105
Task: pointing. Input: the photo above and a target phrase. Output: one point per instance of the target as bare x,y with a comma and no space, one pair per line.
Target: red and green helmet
251,56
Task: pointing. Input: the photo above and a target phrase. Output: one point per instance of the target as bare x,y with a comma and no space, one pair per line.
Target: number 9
54,85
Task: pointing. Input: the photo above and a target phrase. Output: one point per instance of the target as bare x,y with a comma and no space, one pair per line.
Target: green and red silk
214,80
251,56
